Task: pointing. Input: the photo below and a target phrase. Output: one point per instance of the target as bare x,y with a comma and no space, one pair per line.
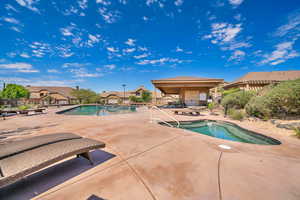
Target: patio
145,160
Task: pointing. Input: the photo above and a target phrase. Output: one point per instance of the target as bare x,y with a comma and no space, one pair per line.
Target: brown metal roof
64,91
266,77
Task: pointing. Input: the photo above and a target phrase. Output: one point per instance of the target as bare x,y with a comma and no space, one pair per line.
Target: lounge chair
24,157
187,112
32,111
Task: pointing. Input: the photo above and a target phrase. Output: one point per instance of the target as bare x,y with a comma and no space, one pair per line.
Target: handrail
165,113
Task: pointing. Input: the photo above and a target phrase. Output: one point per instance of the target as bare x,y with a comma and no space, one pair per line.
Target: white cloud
11,20
112,49
67,31
39,81
109,16
237,55
129,50
24,55
178,49
93,39
292,28
145,18
66,65
283,51
19,67
15,29
160,61
28,4
144,55
16,66
110,67
143,48
52,71
83,73
103,2
178,2
158,2
10,7
83,4
235,2
223,32
130,42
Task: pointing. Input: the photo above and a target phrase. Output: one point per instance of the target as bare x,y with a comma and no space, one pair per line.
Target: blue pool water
98,110
227,131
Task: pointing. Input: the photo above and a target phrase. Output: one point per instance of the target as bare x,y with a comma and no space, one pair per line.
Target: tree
14,91
146,96
86,96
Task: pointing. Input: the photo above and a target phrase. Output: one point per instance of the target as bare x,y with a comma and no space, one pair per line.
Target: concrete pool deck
145,160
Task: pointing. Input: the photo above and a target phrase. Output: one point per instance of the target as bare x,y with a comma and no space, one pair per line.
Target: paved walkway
149,161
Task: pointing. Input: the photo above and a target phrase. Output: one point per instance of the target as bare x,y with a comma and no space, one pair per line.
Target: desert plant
237,100
23,107
211,106
279,101
297,131
229,91
236,114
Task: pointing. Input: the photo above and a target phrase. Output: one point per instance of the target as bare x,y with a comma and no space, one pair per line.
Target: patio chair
24,157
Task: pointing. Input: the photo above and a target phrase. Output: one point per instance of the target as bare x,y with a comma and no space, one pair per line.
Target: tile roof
64,91
266,77
189,78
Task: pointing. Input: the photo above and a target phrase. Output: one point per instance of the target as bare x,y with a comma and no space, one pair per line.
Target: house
257,80
51,95
191,90
117,97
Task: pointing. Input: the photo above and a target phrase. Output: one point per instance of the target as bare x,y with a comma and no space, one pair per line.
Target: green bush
237,100
230,91
297,131
211,106
24,107
236,114
279,101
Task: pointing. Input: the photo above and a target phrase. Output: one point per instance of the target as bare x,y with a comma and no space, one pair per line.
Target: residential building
51,95
117,97
257,80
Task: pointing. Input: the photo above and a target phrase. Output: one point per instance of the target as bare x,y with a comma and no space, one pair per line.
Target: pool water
227,131
97,110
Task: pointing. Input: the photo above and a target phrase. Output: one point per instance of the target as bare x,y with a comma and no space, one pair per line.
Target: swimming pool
226,131
98,110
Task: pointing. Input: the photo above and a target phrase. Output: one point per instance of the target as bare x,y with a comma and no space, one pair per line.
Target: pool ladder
152,118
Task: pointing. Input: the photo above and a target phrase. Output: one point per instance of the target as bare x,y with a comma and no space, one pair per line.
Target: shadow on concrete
94,197
48,178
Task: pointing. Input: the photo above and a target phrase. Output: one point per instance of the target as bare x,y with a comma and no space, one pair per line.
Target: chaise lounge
187,112
24,157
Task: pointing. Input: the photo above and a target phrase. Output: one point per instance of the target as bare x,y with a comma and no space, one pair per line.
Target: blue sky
101,44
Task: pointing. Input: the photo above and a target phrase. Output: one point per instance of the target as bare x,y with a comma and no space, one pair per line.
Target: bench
24,157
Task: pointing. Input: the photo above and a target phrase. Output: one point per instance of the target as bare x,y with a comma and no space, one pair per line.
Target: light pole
124,85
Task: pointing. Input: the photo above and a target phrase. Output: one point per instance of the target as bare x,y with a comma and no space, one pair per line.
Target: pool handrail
165,113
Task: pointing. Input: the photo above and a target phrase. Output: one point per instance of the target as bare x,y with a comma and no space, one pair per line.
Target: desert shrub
297,132
23,107
230,91
237,100
258,107
280,101
211,106
236,114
